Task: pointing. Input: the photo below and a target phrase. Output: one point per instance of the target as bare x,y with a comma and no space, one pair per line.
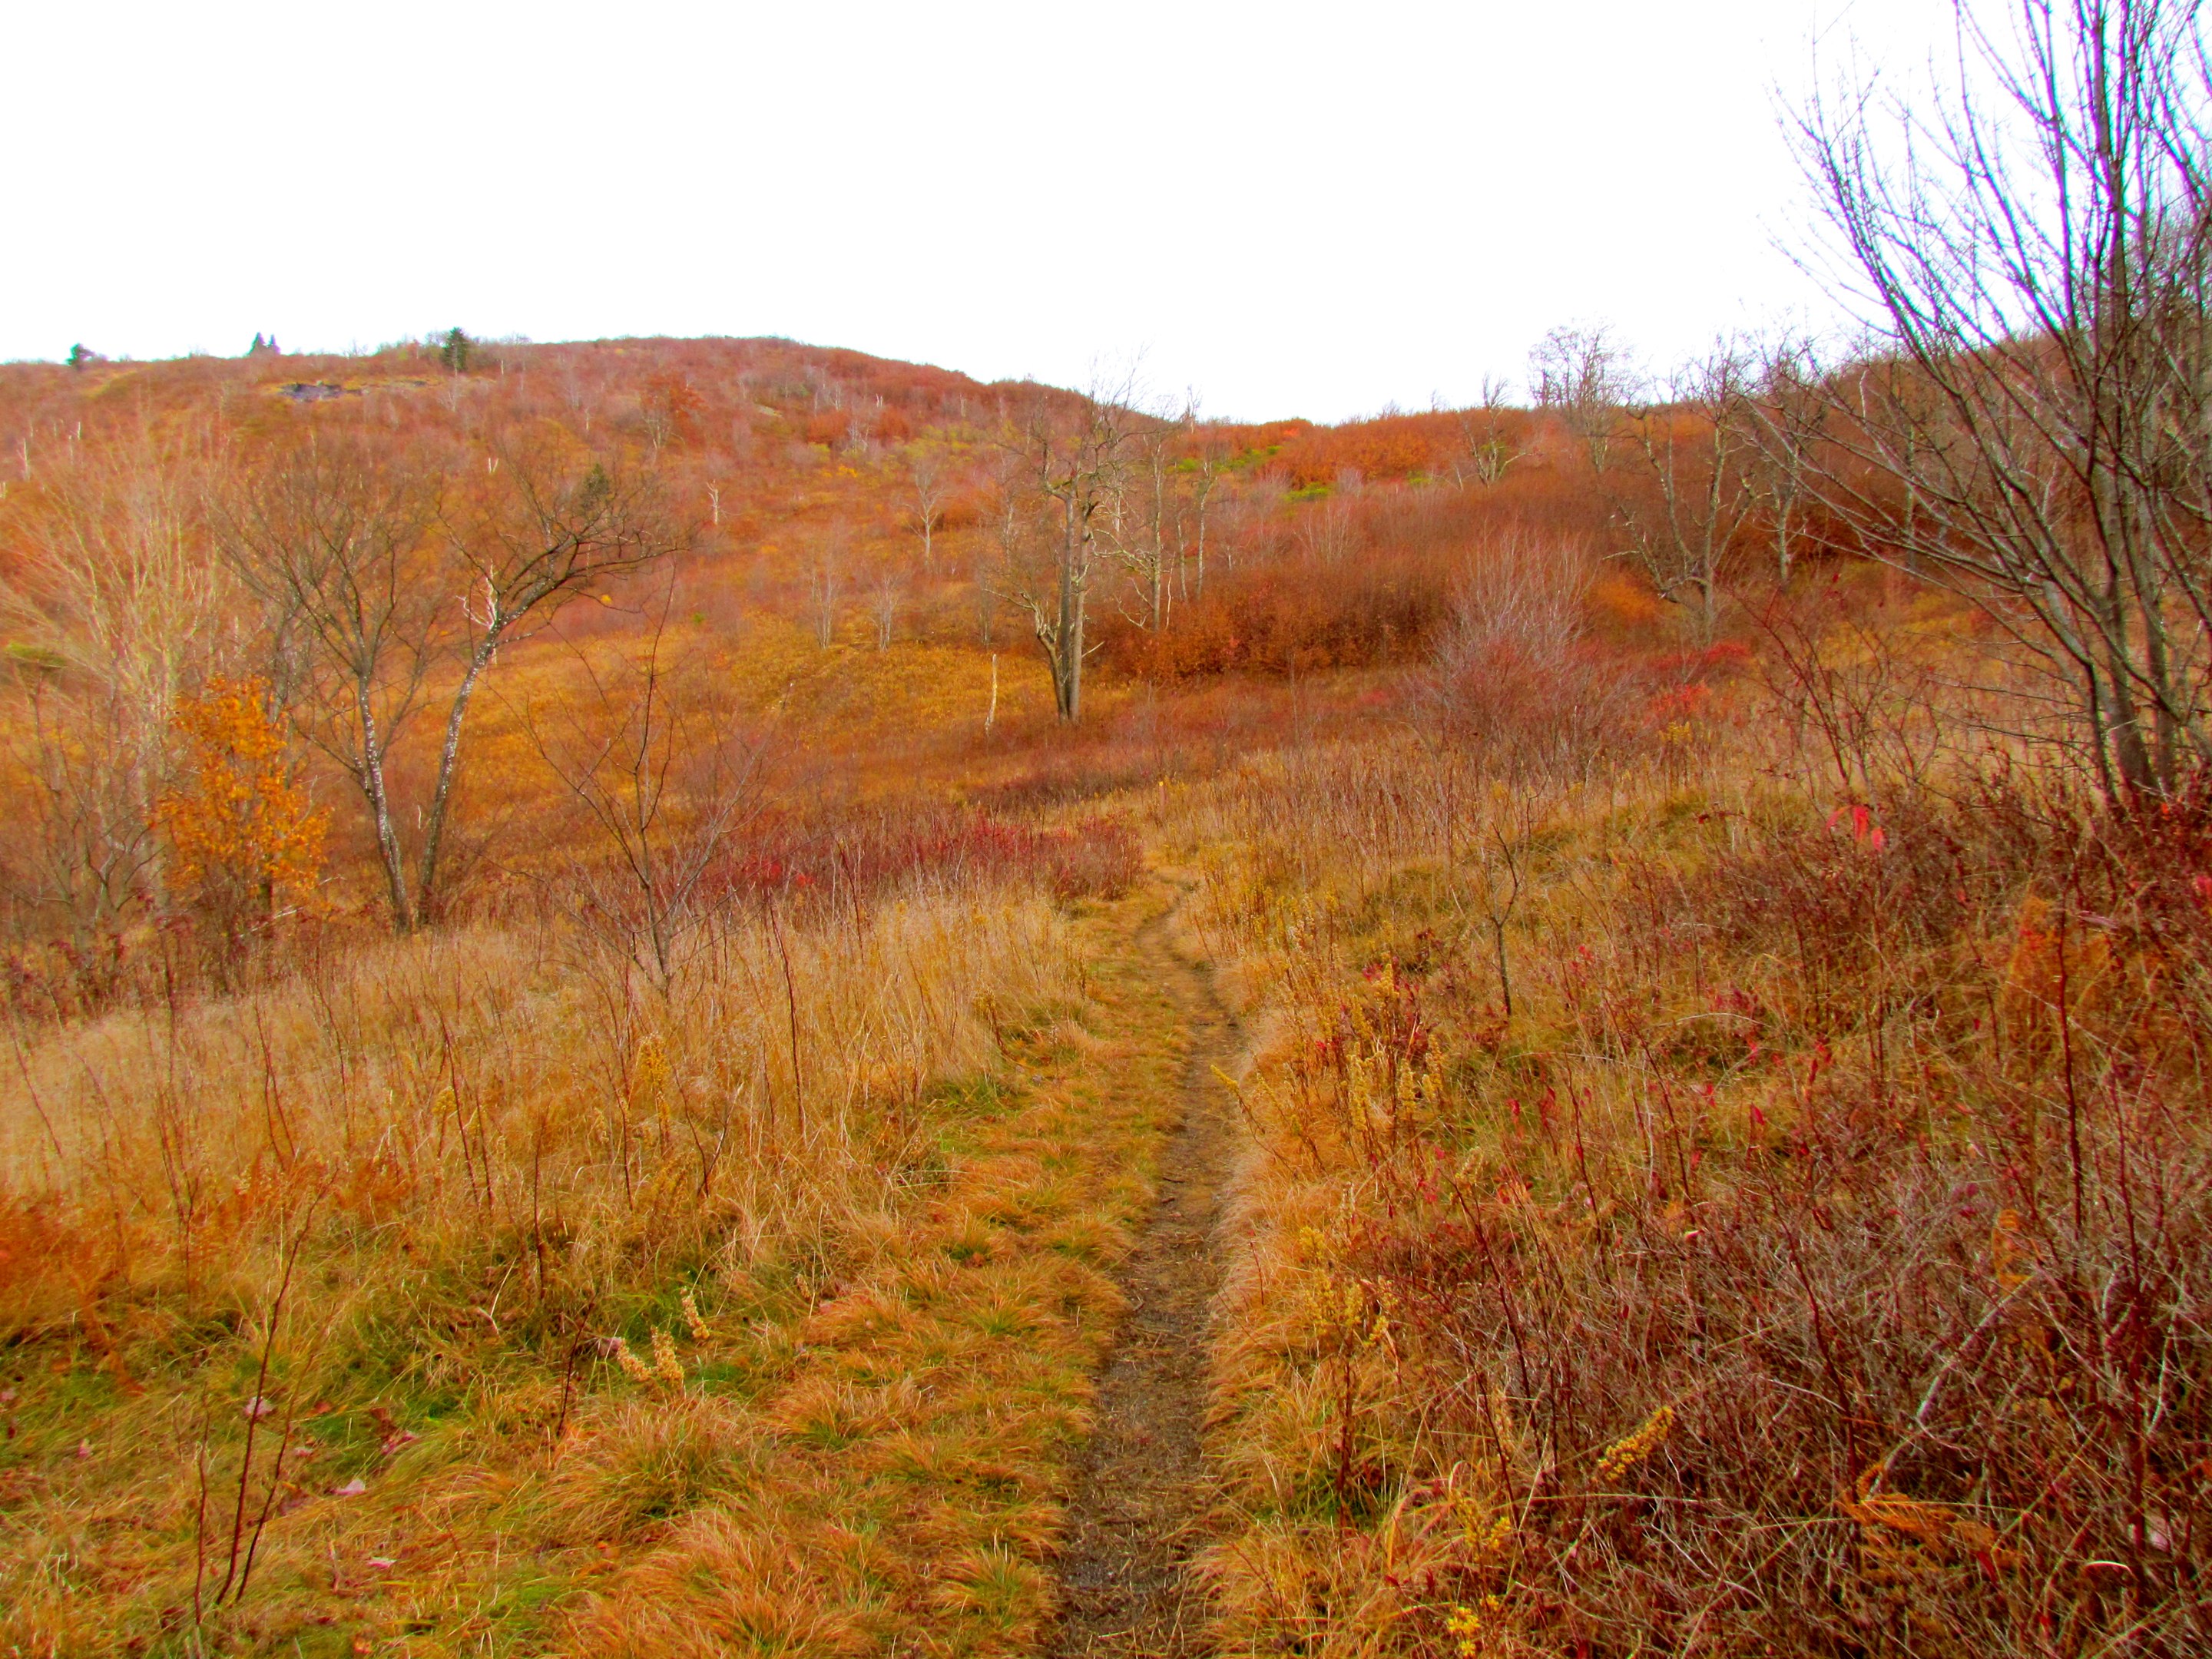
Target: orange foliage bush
243,830
1392,447
1291,619
832,427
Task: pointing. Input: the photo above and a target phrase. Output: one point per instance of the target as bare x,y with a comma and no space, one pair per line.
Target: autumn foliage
243,832
1294,619
1724,1153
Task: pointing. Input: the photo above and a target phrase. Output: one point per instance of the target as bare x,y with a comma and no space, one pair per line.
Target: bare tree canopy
375,569
334,540
2031,419
556,521
929,483
1071,467
1696,444
1581,375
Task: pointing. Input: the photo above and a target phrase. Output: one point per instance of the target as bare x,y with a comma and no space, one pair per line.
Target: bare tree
885,599
1008,529
1161,512
928,487
333,537
1488,447
380,576
1698,447
2032,422
1786,413
552,527
825,584
1071,465
1581,375
1143,522
1207,461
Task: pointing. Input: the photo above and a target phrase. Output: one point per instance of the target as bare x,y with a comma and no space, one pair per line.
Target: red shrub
1285,619
1391,447
829,426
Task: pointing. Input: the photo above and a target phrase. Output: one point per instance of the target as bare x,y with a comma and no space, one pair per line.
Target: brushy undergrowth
1812,1262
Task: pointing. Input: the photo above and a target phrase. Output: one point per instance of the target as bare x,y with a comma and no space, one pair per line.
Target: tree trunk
379,811
1067,669
448,757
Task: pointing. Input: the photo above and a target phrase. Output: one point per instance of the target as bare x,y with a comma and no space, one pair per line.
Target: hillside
797,480
629,1036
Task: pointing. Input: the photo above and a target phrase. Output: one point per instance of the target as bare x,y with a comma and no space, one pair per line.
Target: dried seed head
634,1368
1624,1454
665,1362
700,1333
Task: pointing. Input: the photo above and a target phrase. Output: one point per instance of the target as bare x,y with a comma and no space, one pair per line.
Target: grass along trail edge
906,1485
864,1450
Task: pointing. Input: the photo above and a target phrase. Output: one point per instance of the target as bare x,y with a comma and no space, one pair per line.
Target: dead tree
1581,375
928,486
1785,417
886,598
1144,524
334,540
825,585
1697,447
1071,466
1488,448
550,528
2032,424
1208,460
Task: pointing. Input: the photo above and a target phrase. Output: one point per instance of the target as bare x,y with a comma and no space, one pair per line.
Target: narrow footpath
1138,1516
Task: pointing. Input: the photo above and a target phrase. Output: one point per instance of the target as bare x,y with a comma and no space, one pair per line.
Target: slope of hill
604,1058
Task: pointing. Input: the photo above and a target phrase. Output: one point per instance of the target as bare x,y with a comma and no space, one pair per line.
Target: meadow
704,996
691,1221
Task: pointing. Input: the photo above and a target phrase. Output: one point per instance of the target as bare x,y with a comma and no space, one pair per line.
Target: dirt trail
1141,1501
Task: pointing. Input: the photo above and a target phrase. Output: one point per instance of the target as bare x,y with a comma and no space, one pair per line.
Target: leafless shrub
660,781
1516,678
825,584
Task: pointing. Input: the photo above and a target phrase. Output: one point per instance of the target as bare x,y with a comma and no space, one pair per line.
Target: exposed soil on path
1138,1514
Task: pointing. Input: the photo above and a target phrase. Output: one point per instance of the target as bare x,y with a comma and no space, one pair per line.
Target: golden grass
918,1448
856,1317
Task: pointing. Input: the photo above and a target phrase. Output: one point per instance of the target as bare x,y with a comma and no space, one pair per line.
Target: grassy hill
1714,1132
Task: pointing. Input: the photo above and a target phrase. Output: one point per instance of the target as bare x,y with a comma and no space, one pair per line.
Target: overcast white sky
1290,209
